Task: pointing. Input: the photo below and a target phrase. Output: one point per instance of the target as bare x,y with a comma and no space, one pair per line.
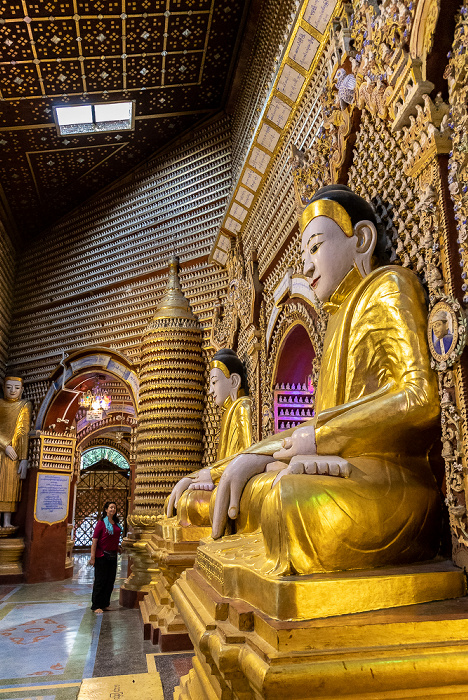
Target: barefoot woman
104,552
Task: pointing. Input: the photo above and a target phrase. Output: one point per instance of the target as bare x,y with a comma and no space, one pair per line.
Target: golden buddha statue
173,544
352,488
15,419
191,496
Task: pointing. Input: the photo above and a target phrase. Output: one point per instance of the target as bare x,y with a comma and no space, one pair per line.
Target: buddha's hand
176,493
230,488
23,468
301,442
10,452
326,465
203,482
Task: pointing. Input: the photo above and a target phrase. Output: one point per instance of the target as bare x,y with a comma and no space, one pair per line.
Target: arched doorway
91,371
293,399
104,476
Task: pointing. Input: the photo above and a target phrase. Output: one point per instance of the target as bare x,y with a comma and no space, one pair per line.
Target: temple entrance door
292,390
99,483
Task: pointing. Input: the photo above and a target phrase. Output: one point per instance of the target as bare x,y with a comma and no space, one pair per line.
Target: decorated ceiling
174,58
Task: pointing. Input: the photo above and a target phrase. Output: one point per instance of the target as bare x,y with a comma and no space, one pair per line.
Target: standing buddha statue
15,419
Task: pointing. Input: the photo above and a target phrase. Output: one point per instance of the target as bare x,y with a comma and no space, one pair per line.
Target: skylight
85,119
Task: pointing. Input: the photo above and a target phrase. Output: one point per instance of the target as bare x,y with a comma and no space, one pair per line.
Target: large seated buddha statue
352,488
340,515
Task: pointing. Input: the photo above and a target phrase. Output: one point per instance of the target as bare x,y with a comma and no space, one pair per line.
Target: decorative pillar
169,434
47,533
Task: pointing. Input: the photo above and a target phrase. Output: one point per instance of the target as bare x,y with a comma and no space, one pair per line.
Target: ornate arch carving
425,21
93,358
94,439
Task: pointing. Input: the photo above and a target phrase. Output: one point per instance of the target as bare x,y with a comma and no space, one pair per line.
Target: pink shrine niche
293,390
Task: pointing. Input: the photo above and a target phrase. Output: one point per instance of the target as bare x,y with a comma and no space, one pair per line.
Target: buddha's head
227,377
12,388
339,232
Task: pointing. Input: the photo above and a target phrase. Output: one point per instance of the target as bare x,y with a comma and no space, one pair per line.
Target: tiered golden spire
169,434
174,304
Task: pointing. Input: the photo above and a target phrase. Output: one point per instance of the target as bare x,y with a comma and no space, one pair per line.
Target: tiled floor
50,639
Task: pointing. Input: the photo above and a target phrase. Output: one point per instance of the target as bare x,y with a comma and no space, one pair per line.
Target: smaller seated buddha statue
228,387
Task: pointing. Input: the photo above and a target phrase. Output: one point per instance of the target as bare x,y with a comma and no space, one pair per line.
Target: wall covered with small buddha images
376,101
7,262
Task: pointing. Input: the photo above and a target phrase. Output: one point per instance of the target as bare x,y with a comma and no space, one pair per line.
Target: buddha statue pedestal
171,554
136,586
11,554
355,634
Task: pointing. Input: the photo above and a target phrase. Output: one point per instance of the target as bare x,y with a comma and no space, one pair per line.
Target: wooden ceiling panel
19,81
55,39
182,69
144,72
15,42
145,35
54,75
189,5
139,6
49,9
172,57
105,7
10,9
104,73
101,37
187,32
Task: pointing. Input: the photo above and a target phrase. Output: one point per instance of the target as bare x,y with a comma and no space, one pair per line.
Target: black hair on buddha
359,210
229,358
14,375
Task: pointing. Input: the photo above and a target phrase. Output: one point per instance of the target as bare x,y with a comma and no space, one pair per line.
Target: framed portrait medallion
446,332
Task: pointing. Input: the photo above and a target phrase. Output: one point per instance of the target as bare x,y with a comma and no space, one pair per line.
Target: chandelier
95,399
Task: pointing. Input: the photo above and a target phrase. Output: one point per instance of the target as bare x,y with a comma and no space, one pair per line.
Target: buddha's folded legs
385,515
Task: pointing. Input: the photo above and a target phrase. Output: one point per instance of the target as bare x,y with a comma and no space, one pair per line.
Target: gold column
169,433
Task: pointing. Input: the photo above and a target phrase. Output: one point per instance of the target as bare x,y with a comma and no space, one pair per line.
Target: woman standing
104,552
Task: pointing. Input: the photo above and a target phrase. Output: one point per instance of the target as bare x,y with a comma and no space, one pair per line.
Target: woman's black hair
359,210
229,358
104,511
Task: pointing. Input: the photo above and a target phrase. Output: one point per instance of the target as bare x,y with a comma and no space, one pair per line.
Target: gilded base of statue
415,651
11,554
137,585
8,531
171,553
233,566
